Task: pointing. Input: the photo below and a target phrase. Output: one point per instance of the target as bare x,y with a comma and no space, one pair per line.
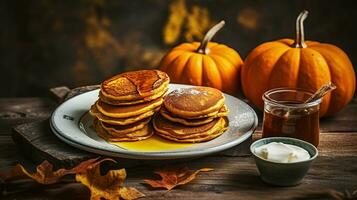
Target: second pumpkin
204,64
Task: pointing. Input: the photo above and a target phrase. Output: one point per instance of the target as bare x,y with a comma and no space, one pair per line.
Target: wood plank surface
233,177
38,143
334,170
14,111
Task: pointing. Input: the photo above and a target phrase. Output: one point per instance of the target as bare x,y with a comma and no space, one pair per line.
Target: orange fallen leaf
44,172
109,186
170,178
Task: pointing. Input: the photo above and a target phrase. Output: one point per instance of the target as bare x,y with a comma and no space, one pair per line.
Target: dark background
45,43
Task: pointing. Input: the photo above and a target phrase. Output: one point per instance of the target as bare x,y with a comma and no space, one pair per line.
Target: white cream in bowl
281,152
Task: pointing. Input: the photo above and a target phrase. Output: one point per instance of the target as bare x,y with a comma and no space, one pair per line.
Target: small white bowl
283,174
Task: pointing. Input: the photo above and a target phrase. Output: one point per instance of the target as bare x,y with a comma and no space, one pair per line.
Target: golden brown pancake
134,85
195,102
197,139
137,135
185,132
181,133
193,122
120,121
159,94
117,130
127,111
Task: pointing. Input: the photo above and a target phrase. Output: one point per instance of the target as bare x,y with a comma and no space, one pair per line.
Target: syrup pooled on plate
152,144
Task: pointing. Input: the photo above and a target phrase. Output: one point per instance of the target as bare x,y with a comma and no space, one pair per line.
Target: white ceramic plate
70,122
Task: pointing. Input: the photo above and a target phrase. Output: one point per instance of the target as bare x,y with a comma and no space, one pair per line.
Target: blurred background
45,43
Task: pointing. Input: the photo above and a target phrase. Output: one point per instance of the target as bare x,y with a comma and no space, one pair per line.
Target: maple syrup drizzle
143,81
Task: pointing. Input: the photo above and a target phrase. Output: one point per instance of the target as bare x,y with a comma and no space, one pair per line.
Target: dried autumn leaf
170,178
109,186
83,166
44,172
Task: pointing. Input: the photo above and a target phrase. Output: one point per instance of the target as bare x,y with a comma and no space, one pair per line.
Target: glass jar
286,115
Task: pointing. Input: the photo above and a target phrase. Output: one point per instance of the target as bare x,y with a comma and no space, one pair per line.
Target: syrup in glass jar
286,115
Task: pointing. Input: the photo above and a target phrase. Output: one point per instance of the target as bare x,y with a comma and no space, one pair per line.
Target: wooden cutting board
38,143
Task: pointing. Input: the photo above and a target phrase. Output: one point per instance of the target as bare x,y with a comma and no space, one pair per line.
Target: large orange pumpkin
299,64
205,64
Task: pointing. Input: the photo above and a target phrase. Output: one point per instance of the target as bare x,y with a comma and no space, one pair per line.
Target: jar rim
266,98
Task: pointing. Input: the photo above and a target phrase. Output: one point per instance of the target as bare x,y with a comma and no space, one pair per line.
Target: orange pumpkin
204,64
299,64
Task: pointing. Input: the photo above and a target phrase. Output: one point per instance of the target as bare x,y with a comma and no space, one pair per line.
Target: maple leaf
44,172
109,186
171,178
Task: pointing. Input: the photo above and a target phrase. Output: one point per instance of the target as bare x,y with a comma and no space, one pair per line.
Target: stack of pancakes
126,104
192,115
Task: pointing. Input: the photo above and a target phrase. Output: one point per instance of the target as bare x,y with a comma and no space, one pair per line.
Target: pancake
128,102
181,133
195,140
127,111
116,130
193,122
196,102
137,135
120,121
134,85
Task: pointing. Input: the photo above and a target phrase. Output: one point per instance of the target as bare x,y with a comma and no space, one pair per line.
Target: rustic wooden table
333,174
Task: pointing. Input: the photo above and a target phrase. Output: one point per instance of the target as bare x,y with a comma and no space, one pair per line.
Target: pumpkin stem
300,36
208,37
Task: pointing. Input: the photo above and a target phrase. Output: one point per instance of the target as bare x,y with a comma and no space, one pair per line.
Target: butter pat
282,153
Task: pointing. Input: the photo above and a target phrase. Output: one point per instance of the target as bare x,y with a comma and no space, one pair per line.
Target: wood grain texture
235,176
38,143
14,111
